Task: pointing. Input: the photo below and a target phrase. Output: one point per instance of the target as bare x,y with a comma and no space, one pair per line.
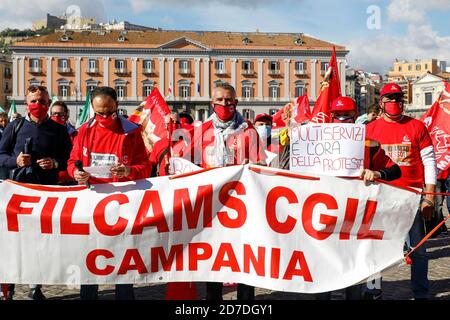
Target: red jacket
246,146
123,144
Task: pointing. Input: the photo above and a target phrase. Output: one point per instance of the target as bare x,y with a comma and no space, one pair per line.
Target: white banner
245,224
335,149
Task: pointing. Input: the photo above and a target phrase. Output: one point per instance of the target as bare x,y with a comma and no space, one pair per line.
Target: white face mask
264,131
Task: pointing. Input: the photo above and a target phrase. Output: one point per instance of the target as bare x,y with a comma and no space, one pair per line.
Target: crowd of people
44,148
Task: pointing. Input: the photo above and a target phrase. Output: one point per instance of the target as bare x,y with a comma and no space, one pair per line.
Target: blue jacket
49,139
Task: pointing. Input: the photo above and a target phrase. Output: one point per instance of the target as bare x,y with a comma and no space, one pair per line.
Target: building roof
154,39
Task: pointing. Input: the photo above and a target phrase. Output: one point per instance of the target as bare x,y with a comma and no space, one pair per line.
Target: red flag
437,121
154,127
321,111
303,112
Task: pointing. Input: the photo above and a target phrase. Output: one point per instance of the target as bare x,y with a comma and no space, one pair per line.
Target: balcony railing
247,72
184,71
322,72
221,71
92,70
148,70
64,70
35,69
300,72
7,75
274,72
121,70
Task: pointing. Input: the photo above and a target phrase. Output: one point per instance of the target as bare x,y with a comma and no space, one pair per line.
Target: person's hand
81,176
427,209
23,160
121,171
369,175
46,163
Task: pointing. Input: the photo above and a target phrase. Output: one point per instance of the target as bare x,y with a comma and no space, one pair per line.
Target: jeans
214,291
90,292
419,268
442,186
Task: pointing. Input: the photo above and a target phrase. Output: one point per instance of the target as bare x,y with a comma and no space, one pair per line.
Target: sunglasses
33,89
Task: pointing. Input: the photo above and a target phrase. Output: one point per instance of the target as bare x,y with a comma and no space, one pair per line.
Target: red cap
391,88
263,116
343,104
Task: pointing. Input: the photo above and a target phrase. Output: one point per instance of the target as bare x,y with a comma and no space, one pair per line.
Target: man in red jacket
225,139
108,140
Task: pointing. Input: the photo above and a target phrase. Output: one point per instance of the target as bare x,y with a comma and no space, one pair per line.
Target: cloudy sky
375,31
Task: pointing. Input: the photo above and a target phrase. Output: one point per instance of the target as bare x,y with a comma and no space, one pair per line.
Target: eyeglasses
33,89
58,114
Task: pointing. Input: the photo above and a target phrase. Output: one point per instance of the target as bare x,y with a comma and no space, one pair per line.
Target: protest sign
335,149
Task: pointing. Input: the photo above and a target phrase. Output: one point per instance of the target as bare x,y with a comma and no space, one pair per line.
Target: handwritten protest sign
335,149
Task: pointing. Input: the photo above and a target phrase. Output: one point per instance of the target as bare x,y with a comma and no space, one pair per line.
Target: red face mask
393,109
38,110
224,113
59,119
107,122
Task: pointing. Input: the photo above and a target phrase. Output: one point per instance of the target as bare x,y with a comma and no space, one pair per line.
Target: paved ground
395,282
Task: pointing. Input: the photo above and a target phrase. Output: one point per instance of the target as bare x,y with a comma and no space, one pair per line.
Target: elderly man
226,139
35,149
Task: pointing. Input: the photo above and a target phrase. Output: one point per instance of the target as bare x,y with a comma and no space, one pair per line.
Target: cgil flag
153,119
321,112
437,121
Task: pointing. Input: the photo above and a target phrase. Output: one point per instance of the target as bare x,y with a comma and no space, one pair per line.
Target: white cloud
21,13
413,11
404,10
378,53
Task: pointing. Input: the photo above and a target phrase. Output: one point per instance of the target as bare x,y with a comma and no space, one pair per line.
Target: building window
220,66
274,90
218,82
147,87
247,67
426,65
247,89
418,67
400,69
410,68
34,82
35,63
248,114
7,72
184,66
148,66
63,63
91,85
121,88
299,65
120,64
300,88
120,92
184,88
428,98
92,64
273,66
